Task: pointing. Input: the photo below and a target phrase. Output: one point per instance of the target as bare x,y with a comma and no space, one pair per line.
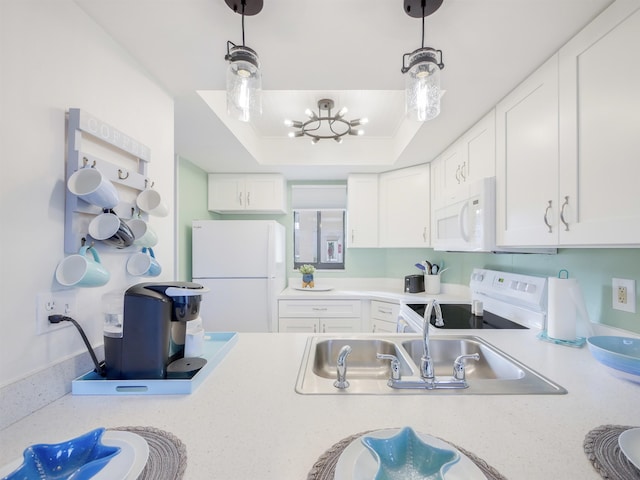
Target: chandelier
422,86
323,125
244,80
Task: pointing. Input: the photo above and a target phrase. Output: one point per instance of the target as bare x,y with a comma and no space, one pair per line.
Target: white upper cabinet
362,211
247,193
405,208
527,161
600,130
568,142
470,158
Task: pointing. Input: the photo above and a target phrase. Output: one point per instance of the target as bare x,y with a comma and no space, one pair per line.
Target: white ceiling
347,50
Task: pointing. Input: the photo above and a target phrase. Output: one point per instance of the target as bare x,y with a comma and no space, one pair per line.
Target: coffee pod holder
126,169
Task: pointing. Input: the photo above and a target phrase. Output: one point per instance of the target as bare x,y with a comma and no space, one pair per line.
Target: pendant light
244,80
422,67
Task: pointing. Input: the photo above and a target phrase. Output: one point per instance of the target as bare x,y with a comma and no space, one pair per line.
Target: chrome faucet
341,368
426,363
428,378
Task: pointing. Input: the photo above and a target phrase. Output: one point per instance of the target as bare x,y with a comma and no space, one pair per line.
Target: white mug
144,264
144,235
111,229
150,201
93,187
79,271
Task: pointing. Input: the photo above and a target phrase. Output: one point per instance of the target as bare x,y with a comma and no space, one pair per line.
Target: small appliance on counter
150,338
414,283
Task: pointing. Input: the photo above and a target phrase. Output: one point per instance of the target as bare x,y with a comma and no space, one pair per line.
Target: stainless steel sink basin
492,364
495,373
362,362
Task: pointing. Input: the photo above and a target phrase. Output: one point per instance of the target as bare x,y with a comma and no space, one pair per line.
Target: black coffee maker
153,330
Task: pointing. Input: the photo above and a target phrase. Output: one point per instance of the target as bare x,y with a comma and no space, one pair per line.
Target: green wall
593,267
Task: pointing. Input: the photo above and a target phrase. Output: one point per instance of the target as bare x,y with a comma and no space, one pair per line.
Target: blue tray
216,346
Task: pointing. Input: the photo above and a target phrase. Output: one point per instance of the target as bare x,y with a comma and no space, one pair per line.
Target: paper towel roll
562,311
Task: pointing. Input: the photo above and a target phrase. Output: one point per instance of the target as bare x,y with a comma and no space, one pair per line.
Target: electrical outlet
624,294
50,303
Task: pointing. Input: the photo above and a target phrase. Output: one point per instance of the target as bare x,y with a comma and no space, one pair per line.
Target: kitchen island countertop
246,422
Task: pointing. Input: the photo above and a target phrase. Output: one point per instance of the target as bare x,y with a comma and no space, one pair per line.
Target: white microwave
465,220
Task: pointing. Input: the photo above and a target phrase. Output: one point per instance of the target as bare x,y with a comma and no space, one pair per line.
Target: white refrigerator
242,263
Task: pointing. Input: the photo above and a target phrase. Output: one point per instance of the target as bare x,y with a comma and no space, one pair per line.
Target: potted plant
307,275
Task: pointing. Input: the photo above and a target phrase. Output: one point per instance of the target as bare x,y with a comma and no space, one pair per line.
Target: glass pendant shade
244,84
422,90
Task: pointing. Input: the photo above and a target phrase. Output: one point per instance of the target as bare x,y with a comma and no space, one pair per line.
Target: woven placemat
167,454
603,451
325,466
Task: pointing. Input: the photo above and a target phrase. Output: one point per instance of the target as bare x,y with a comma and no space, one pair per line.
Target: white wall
53,57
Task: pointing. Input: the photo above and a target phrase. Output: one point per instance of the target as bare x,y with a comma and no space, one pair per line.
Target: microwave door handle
461,222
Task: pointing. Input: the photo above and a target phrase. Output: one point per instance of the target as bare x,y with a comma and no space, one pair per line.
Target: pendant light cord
243,5
423,5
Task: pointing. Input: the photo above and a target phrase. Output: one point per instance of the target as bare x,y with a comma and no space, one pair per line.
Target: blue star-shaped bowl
77,459
405,456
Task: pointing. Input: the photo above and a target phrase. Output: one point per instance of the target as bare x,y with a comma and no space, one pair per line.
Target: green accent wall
593,267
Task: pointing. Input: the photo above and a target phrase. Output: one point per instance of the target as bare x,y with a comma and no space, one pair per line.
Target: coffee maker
149,342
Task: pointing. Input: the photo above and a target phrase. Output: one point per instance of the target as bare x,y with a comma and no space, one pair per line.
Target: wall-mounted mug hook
146,183
85,162
123,174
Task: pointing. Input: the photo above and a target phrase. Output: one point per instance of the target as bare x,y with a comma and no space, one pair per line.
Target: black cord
100,370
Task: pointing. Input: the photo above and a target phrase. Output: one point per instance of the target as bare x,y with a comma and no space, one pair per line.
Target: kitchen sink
362,362
496,373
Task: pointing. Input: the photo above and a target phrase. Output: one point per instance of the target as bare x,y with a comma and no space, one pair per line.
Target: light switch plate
623,295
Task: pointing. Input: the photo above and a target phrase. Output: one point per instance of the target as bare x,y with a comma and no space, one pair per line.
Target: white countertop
383,289
246,422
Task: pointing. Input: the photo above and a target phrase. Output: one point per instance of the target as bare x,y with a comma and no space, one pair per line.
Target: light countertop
383,289
246,422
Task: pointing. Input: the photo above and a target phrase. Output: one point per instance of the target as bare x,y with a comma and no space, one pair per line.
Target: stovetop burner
459,316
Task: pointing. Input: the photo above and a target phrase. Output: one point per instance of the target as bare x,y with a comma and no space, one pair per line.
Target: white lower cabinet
384,316
319,316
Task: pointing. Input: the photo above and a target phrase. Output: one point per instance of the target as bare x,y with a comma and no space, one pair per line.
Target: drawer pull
319,309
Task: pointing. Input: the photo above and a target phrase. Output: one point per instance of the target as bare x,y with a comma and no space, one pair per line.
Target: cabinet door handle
384,310
240,198
315,329
353,235
424,234
566,202
374,328
462,175
458,174
324,328
546,221
248,199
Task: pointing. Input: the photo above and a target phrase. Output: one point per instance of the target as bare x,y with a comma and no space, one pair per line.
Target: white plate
357,463
126,465
317,288
629,442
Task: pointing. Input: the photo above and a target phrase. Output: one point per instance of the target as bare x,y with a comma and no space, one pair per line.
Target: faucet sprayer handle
458,365
341,368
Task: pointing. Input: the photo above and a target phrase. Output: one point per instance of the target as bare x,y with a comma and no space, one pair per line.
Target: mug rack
130,179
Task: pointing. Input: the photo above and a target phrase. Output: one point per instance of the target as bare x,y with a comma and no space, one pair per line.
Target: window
318,238
318,225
